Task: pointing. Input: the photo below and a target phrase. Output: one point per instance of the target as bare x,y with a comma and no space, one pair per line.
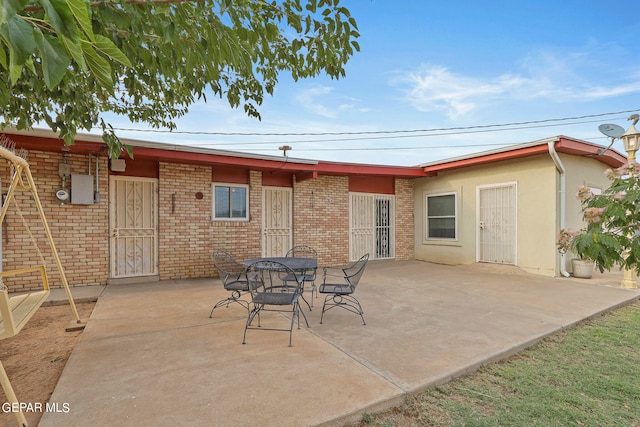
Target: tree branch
36,8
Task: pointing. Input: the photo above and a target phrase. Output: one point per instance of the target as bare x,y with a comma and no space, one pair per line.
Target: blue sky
445,65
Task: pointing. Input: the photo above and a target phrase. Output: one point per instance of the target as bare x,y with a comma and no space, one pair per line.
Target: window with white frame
442,221
230,202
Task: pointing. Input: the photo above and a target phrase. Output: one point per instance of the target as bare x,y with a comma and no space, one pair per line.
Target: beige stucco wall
538,214
580,171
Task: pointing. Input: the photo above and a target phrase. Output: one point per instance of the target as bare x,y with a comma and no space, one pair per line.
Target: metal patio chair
233,279
339,283
269,292
308,276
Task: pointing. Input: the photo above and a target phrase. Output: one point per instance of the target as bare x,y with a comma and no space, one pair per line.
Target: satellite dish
612,131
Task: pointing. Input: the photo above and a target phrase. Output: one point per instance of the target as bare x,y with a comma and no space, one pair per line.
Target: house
507,205
159,215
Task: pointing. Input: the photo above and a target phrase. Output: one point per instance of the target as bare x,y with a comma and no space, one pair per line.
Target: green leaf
75,50
19,34
60,16
81,12
55,60
8,8
14,72
99,66
3,58
107,47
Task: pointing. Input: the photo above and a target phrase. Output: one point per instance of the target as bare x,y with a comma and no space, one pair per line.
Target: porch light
631,142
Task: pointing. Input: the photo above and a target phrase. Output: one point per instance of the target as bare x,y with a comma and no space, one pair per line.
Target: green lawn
586,376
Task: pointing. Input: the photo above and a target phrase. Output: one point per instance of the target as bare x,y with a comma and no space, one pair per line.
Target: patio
150,355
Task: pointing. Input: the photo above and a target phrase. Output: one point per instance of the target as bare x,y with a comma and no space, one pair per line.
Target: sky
433,78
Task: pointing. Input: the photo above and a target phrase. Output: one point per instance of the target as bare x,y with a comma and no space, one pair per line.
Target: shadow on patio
150,355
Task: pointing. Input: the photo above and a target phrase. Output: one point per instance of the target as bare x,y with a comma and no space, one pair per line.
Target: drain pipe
563,203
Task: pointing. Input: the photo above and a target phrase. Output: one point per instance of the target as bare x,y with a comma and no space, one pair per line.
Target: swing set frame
16,310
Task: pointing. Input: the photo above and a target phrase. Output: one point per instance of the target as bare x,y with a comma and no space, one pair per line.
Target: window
441,216
230,202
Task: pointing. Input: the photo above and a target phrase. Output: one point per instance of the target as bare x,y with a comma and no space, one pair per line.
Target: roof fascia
562,144
307,169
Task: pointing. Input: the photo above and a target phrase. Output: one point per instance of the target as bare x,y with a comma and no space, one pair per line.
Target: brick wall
404,219
184,221
80,232
187,233
242,239
321,217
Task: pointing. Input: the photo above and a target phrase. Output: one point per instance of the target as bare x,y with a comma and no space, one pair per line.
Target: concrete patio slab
151,356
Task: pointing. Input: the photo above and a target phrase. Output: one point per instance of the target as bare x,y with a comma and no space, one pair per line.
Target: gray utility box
82,189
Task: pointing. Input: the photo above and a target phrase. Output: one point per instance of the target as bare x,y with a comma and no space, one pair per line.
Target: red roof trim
306,169
562,145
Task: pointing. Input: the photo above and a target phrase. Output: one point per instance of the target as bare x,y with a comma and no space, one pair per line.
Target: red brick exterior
80,232
405,239
320,217
184,238
187,233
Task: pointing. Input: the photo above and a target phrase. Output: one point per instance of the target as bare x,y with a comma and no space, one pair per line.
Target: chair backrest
228,268
302,251
268,276
354,272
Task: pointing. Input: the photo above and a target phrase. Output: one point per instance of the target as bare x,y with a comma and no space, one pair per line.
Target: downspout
563,203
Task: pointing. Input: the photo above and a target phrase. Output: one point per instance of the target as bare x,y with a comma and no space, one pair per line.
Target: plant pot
582,268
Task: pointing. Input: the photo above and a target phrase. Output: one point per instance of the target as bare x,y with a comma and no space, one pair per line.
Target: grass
584,376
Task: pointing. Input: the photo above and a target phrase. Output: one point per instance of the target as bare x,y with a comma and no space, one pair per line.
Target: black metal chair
270,292
308,276
233,279
339,283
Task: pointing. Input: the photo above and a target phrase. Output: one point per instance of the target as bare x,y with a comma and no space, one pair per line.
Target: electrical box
82,189
64,169
118,165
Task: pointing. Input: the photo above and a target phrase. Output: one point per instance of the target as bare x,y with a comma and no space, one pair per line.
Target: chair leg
313,291
307,302
304,316
252,315
235,297
348,302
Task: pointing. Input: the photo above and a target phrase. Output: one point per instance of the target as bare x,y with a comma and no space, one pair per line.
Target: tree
64,62
612,233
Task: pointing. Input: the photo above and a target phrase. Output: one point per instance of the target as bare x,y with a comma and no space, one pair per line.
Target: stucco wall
536,200
538,213
580,171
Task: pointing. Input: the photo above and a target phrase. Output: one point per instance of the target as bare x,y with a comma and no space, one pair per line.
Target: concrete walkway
150,355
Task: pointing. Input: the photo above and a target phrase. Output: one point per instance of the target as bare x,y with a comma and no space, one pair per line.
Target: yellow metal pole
20,165
11,397
63,277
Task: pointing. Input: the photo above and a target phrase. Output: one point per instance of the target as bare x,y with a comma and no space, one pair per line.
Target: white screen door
276,221
372,226
133,227
497,223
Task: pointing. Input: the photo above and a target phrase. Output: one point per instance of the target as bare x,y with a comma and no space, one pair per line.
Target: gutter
563,202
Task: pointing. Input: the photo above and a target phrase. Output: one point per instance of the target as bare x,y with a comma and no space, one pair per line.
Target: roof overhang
562,144
47,140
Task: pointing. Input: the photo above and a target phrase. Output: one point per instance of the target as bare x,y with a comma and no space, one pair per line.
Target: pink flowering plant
612,232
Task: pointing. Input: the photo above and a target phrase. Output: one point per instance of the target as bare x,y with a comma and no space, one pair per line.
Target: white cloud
545,76
320,100
437,88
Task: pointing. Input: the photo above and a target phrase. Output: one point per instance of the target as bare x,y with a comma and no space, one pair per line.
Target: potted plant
611,236
582,265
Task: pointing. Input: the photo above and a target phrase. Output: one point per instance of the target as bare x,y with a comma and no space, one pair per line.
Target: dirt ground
34,359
